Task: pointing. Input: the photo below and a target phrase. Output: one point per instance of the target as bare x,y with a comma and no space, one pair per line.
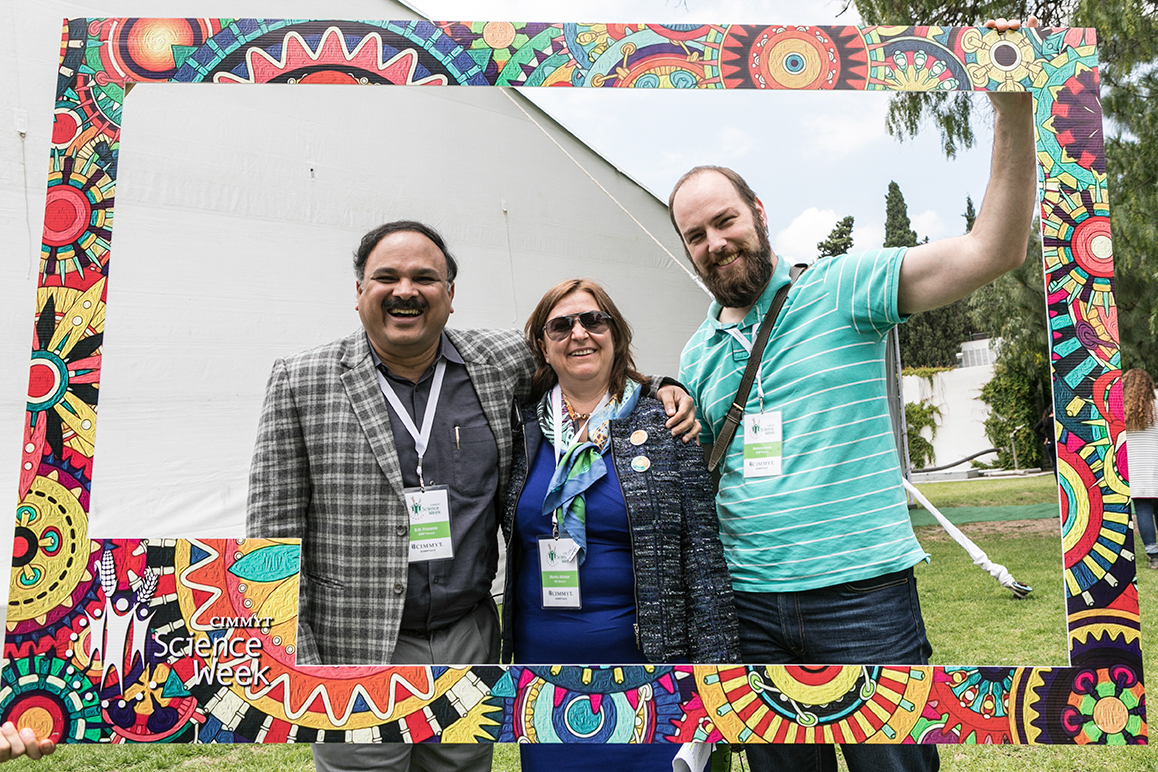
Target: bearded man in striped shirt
813,516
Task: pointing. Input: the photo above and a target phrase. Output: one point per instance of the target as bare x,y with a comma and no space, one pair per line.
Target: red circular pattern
53,540
794,58
1093,528
23,544
814,676
42,707
329,76
151,42
65,127
1092,246
43,380
66,215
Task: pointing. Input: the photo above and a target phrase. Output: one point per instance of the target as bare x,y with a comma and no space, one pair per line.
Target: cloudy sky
812,157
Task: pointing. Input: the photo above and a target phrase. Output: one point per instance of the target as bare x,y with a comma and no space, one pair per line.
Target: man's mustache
404,304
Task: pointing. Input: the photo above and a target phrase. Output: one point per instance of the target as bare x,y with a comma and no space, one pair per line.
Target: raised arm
936,274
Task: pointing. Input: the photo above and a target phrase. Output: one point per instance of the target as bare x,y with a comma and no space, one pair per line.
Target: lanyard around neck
557,418
421,436
557,423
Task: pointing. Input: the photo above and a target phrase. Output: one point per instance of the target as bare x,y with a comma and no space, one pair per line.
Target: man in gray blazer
355,432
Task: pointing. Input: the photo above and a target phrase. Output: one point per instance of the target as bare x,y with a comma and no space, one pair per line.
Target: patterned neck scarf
581,464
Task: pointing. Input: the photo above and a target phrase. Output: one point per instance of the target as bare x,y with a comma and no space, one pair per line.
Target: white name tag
429,512
559,572
763,435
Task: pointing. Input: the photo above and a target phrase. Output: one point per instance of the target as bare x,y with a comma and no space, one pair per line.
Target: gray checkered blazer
325,471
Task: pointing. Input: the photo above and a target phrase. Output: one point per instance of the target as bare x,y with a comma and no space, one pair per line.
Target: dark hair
371,240
622,365
1138,400
747,195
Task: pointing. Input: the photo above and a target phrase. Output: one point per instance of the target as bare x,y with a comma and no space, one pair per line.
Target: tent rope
980,559
606,192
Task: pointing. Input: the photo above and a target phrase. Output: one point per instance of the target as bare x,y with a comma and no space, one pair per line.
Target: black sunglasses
560,327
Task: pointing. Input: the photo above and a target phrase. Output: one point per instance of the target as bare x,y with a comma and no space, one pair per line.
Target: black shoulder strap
736,411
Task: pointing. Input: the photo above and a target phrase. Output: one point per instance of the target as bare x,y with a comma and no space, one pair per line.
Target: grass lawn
971,620
985,492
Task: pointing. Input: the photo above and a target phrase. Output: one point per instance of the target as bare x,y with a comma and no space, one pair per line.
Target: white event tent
237,210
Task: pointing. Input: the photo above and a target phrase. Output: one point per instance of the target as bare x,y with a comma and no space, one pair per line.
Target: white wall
961,425
237,209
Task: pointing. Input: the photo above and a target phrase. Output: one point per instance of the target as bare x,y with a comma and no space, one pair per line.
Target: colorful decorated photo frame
193,640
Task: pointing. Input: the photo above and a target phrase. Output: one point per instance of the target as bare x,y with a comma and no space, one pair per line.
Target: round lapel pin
638,437
641,463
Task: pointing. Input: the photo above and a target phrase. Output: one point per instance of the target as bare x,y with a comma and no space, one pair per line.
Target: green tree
931,338
918,416
970,214
950,112
1128,46
839,242
898,229
1128,53
1012,309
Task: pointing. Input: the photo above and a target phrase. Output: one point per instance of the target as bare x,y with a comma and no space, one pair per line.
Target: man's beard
742,290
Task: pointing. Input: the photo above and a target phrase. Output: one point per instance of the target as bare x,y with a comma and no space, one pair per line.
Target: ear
450,292
763,217
357,293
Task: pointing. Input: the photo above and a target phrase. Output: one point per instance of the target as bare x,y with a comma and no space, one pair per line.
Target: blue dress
603,629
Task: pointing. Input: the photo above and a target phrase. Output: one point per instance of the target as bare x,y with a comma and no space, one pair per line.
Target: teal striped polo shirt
837,512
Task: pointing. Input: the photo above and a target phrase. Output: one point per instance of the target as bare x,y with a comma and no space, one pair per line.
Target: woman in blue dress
613,548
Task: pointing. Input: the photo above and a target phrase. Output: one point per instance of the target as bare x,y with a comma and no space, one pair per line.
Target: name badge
559,572
429,512
763,434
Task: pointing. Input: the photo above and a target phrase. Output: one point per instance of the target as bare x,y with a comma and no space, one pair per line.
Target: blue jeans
871,622
1144,514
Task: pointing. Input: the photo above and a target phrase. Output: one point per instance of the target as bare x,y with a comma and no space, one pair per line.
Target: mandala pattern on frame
639,704
821,704
645,59
793,57
1071,145
1104,706
415,53
142,50
52,697
919,59
1000,62
968,705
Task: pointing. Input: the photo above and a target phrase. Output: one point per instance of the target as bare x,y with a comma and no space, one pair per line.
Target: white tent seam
606,192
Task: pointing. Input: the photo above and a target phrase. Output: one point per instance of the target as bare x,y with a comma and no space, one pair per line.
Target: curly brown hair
623,365
1138,396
